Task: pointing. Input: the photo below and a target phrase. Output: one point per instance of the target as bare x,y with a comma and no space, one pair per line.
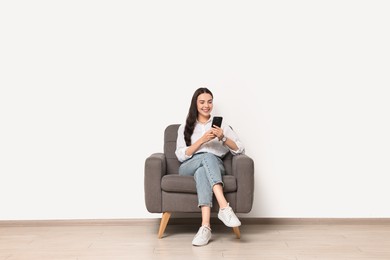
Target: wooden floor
138,240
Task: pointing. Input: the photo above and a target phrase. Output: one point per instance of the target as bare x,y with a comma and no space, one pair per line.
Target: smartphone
217,120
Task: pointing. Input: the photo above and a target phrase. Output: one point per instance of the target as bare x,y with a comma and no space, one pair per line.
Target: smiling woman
200,148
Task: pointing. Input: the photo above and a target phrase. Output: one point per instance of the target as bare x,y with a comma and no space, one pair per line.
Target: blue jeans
207,170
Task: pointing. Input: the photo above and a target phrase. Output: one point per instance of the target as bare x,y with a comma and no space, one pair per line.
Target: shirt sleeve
181,146
229,133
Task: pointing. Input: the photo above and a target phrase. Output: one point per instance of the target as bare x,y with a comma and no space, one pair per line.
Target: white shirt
214,146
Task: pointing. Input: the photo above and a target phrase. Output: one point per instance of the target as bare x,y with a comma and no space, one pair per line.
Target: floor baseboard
191,221
292,221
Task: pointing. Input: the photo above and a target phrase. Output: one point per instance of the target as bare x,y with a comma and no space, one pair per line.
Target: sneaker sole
227,224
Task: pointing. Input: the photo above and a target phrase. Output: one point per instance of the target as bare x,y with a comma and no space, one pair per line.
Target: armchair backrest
173,164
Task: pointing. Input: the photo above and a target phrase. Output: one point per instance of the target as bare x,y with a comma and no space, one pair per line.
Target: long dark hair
193,114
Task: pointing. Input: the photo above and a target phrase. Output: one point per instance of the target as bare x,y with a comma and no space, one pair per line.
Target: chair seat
186,184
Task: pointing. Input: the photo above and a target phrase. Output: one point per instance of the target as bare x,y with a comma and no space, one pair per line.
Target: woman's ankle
206,225
224,206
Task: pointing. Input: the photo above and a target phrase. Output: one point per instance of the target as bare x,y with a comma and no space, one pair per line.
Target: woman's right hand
204,139
208,136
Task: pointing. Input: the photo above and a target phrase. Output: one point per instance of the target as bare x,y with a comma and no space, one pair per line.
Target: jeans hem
221,182
206,204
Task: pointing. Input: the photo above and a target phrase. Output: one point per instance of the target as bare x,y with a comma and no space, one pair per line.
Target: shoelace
203,230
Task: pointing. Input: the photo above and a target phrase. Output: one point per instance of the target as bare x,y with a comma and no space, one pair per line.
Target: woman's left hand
218,132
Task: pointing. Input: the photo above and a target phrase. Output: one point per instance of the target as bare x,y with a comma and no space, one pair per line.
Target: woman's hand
218,132
208,136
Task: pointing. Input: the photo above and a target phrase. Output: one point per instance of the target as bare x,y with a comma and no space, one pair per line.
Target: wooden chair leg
236,231
163,223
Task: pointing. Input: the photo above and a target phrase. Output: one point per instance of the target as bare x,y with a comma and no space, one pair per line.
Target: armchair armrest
243,169
155,169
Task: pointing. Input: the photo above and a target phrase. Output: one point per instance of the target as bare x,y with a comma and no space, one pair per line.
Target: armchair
167,192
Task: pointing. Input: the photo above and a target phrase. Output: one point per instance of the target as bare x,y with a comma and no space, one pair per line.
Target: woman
200,147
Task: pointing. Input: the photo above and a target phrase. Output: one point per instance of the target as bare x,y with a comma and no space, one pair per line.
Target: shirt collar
208,121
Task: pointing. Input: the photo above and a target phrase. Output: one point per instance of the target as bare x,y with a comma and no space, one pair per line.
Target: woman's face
205,105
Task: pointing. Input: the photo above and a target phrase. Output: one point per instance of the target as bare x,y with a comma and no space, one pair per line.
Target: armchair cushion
186,184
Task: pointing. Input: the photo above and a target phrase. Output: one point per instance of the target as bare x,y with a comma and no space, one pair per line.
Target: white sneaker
228,217
202,237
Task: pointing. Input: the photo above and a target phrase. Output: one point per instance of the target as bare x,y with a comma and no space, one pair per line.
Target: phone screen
217,120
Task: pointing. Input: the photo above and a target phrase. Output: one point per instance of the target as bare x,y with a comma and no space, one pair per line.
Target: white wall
88,87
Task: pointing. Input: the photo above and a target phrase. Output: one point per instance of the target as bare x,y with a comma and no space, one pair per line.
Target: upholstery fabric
166,191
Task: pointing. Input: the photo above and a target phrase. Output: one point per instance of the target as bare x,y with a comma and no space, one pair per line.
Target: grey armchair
167,192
